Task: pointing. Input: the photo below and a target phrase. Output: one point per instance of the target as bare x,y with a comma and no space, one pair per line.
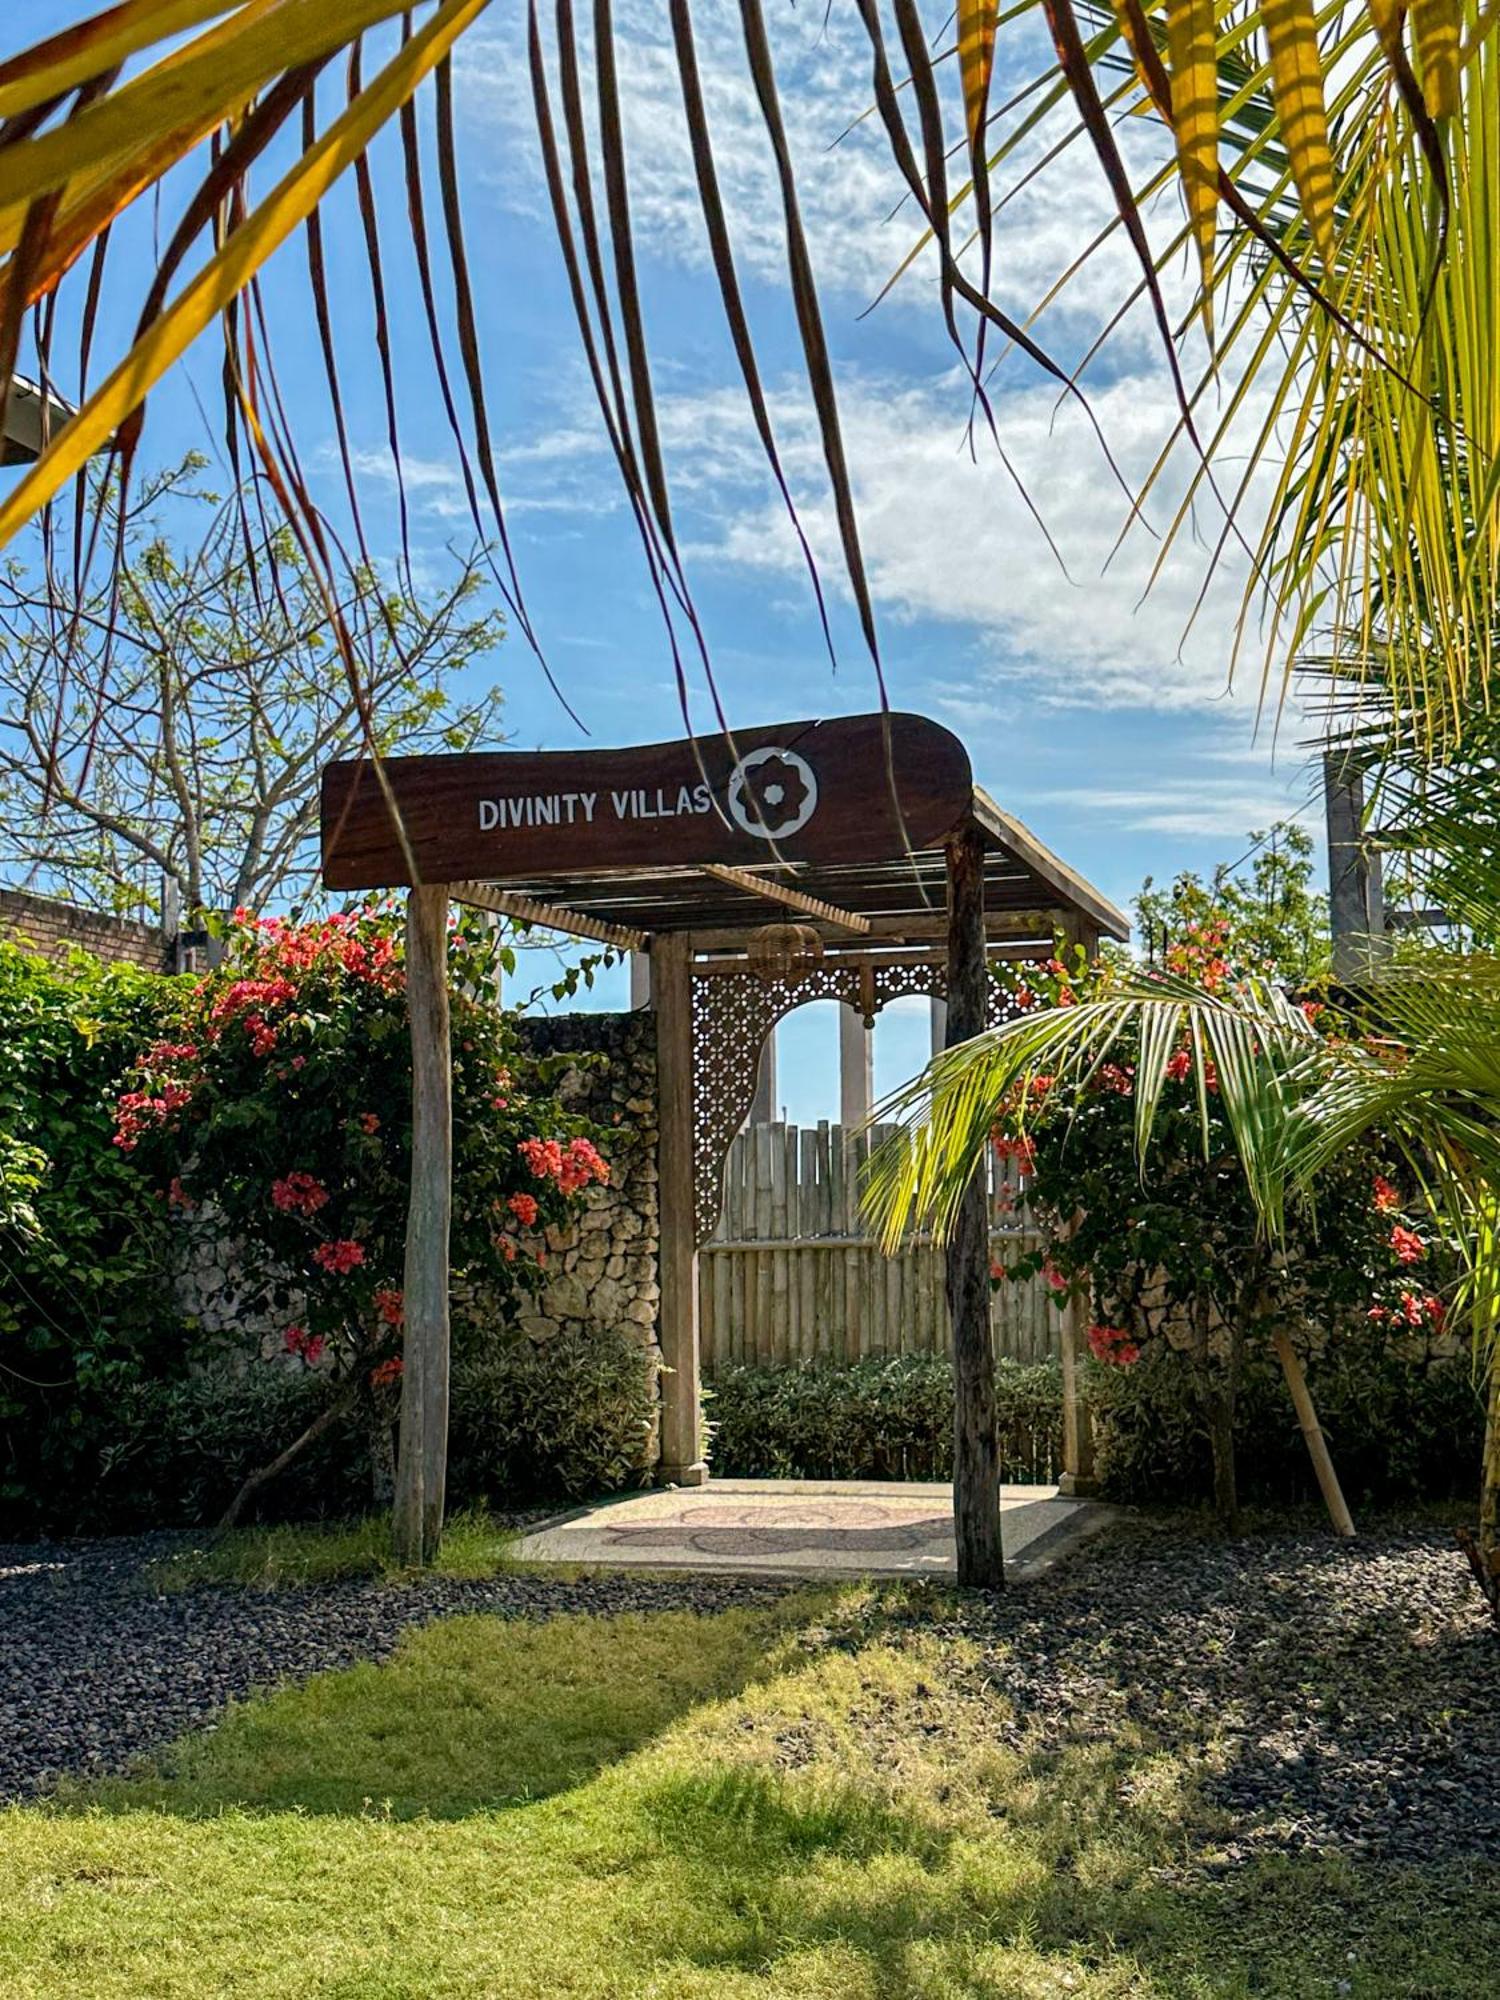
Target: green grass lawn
285,1556
810,1800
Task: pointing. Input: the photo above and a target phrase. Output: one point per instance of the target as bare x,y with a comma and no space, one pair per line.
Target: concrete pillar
1356,900
856,1066
939,1020
763,1106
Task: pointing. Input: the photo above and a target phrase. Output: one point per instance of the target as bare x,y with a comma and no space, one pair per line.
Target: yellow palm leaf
204,82
976,58
1434,27
1297,87
65,60
1195,118
243,253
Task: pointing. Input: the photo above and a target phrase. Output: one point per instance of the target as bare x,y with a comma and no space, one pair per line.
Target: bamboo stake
1312,1431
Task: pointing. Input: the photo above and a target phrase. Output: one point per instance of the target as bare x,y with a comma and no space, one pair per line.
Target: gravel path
1352,1691
1349,1692
95,1669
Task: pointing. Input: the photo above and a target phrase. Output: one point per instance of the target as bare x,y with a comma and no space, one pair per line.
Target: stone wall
40,924
606,1263
603,1269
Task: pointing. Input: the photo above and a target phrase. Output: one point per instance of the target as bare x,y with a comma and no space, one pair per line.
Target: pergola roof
841,823
899,893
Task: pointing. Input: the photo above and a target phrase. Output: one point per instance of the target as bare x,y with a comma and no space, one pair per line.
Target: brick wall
40,924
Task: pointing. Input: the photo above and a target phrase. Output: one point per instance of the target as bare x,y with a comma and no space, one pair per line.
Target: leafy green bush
568,1415
1398,1428
876,1419
83,1238
171,1451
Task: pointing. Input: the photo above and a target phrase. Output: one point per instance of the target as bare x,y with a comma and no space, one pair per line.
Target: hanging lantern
783,951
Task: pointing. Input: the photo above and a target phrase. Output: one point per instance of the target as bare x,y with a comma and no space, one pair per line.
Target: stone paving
809,1527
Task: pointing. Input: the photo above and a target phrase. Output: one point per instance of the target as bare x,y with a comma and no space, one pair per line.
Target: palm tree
1305,140
1420,1065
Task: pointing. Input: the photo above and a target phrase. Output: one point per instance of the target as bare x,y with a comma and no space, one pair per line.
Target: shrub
564,1416
83,1240
208,1431
279,1102
1399,1427
876,1419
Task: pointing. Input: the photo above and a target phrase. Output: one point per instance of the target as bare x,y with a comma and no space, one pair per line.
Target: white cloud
948,536
1191,807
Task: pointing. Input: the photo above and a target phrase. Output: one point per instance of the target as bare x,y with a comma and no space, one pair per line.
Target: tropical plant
1277,921
251,1111
1417,1063
83,1240
1174,1260
1305,144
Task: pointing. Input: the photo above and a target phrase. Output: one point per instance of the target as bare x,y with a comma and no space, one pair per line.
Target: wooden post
421,1471
1312,1432
976,1444
682,1461
1078,1475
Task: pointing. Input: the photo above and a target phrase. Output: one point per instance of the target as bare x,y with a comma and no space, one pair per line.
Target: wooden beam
1066,883
421,1471
976,1440
779,892
1041,925
527,910
682,1462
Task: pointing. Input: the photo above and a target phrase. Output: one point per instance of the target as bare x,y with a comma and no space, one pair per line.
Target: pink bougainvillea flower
298,1340
339,1257
299,1194
998,1271
390,1304
1178,1065
1055,1278
388,1371
369,1121
1387,1198
1113,1345
1408,1246
523,1207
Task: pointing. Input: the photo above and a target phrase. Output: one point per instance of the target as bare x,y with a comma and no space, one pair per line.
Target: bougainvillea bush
274,1112
1169,1260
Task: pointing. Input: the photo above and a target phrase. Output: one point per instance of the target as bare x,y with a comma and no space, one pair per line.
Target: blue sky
1083,708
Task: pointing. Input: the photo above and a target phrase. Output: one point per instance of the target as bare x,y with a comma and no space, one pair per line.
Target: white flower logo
772,793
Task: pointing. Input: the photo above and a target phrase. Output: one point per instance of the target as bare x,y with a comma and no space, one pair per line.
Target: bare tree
172,726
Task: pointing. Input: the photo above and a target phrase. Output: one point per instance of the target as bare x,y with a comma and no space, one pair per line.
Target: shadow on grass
821,1799
471,1713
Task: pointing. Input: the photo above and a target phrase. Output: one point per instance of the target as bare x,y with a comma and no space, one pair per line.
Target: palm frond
1255,1051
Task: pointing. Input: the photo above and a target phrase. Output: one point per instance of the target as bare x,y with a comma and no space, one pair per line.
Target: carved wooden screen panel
733,1012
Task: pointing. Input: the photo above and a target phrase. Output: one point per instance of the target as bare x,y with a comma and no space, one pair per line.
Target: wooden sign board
859,788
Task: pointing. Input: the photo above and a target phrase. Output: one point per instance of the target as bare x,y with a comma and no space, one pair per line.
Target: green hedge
565,1416
1399,1429
568,1416
875,1419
